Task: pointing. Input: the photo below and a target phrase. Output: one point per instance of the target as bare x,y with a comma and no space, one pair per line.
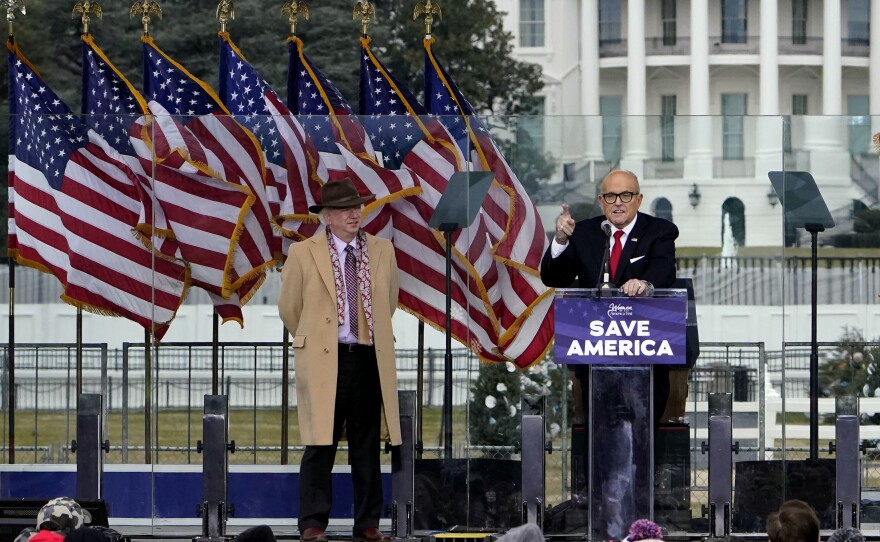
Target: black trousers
358,412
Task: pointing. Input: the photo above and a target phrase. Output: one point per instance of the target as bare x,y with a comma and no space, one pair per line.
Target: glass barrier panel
748,257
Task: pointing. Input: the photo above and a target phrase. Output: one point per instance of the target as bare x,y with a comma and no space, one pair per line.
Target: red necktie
615,251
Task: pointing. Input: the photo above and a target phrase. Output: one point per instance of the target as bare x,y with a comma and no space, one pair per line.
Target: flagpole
285,394
215,353
145,8
11,6
79,352
447,358
420,387
10,390
148,398
87,8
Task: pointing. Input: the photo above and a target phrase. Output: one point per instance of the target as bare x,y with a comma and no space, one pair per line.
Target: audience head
260,533
795,521
846,534
644,529
62,514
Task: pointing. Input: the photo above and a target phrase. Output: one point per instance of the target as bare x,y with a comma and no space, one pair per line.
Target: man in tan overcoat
338,292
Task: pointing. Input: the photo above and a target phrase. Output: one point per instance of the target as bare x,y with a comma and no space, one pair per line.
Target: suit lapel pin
634,240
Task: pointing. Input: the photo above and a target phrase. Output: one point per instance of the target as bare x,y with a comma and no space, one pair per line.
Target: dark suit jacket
649,254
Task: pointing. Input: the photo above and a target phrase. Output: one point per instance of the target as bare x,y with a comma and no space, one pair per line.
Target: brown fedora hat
339,194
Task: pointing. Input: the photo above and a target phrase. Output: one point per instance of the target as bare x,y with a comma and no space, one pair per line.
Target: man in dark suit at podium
641,256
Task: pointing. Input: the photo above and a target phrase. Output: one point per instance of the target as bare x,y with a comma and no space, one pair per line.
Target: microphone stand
605,287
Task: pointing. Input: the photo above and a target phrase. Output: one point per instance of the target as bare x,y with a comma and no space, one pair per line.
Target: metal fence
251,375
738,280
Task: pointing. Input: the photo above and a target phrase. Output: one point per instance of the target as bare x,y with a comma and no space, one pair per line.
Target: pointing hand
564,226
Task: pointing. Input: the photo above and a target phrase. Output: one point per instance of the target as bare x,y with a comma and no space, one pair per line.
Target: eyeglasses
625,197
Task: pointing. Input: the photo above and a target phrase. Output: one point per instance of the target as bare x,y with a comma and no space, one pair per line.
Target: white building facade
701,98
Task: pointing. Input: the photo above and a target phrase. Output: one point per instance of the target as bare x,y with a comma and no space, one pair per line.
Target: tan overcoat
307,306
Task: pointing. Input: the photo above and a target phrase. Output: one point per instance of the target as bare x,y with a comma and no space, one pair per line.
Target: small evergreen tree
852,369
495,405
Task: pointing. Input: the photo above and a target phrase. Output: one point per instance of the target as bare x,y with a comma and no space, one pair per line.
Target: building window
858,22
798,107
530,128
799,22
612,130
733,21
531,23
733,108
668,16
662,208
799,104
609,21
857,107
667,128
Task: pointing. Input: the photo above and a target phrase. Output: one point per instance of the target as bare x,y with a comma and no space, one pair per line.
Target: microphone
605,273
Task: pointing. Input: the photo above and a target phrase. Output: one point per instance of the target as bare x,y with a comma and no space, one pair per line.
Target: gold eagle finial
226,13
294,8
366,11
429,9
87,7
11,6
145,8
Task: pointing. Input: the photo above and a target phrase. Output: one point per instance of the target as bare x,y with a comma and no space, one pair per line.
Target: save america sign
620,330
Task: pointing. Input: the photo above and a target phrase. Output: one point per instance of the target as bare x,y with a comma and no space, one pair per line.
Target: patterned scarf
364,282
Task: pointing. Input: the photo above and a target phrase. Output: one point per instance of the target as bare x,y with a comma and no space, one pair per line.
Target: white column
829,159
635,148
592,123
825,137
874,61
832,87
769,58
698,163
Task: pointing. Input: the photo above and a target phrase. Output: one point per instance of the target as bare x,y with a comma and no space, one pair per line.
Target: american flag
342,141
74,208
192,134
407,135
515,232
114,108
294,170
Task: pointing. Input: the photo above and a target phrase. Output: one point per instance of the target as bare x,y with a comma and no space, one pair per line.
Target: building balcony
668,46
744,45
855,47
612,48
744,167
664,169
800,45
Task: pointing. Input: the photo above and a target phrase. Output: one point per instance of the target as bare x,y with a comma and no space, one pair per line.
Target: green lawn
179,430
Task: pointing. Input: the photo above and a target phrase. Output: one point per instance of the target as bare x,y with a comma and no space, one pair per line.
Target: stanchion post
846,447
403,469
532,459
89,445
720,450
215,468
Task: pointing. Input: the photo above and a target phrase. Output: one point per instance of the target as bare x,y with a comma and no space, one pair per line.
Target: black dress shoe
371,534
313,534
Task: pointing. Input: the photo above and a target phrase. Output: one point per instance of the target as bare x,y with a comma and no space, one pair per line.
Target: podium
613,341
